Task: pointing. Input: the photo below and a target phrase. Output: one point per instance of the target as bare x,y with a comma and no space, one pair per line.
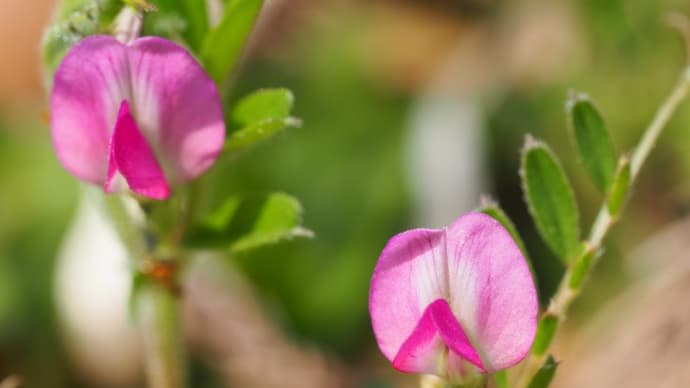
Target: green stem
572,282
157,300
163,345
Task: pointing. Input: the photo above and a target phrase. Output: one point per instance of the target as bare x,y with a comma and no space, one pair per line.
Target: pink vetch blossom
454,302
142,115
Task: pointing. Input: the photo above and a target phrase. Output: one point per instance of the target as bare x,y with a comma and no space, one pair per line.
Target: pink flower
142,115
454,301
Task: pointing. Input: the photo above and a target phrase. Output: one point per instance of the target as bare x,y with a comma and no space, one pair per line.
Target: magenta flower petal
88,88
437,327
466,288
173,103
410,261
177,106
493,291
131,156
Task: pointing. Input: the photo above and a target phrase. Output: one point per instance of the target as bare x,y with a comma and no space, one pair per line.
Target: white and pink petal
466,288
174,104
88,88
492,290
407,278
177,107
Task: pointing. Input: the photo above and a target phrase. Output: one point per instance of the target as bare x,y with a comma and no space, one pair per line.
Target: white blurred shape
445,155
92,288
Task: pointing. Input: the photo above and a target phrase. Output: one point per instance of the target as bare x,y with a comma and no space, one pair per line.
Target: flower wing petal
491,289
176,106
408,277
131,155
89,85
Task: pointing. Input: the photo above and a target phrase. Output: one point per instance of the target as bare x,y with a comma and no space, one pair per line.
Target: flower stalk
159,299
573,279
159,316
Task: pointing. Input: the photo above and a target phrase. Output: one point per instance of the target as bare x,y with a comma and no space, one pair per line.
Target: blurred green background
357,69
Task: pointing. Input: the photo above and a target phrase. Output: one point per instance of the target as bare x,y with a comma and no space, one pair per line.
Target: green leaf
550,199
223,44
263,104
187,18
248,137
246,222
592,140
262,115
545,374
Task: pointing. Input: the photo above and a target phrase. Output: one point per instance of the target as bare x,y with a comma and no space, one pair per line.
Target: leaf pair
250,221
548,192
552,204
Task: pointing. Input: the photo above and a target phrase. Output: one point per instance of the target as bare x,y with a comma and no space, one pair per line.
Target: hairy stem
572,282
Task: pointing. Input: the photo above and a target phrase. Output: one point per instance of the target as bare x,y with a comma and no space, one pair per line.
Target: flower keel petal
423,351
131,155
